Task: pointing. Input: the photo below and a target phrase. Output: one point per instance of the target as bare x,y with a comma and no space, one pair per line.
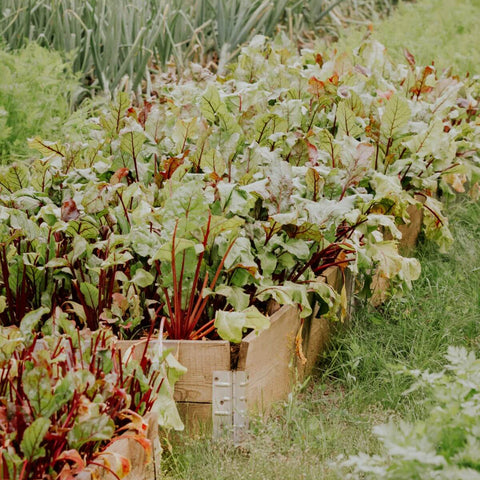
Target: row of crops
107,43
184,213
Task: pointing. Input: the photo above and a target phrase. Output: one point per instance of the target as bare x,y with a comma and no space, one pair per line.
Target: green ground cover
444,31
37,91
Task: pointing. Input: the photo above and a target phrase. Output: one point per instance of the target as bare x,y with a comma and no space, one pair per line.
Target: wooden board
267,359
410,231
316,337
201,358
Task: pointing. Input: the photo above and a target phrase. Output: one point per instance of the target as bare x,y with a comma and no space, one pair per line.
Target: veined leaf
16,177
97,427
425,141
84,228
41,178
132,141
33,437
211,104
327,144
90,293
395,117
347,121
267,125
113,122
230,325
213,161
47,148
315,182
38,389
164,253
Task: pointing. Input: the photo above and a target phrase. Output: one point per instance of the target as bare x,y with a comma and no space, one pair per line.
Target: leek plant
108,40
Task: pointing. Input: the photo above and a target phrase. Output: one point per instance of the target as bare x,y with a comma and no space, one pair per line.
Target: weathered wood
267,359
316,337
410,231
200,358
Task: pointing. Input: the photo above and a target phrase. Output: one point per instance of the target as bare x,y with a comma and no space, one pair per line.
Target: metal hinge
229,405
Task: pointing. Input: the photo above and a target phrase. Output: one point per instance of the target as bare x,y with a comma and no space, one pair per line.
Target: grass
356,385
427,29
444,31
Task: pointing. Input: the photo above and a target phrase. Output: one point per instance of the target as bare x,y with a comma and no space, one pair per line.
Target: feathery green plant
36,91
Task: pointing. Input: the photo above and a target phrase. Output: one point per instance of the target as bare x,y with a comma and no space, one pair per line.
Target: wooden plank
267,359
316,338
333,277
410,231
200,358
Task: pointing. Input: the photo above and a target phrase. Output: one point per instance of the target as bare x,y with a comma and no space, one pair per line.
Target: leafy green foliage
443,445
67,394
220,184
37,89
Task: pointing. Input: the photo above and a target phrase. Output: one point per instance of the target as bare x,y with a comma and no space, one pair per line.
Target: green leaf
84,228
3,303
288,294
212,161
47,148
33,437
211,104
235,296
395,117
95,428
164,253
142,278
38,389
41,178
113,122
314,182
57,263
16,177
30,321
90,294
347,122
231,325
132,141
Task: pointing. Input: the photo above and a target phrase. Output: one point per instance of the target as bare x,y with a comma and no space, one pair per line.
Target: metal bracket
229,405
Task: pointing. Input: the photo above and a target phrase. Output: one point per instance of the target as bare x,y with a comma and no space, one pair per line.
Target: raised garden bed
224,383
